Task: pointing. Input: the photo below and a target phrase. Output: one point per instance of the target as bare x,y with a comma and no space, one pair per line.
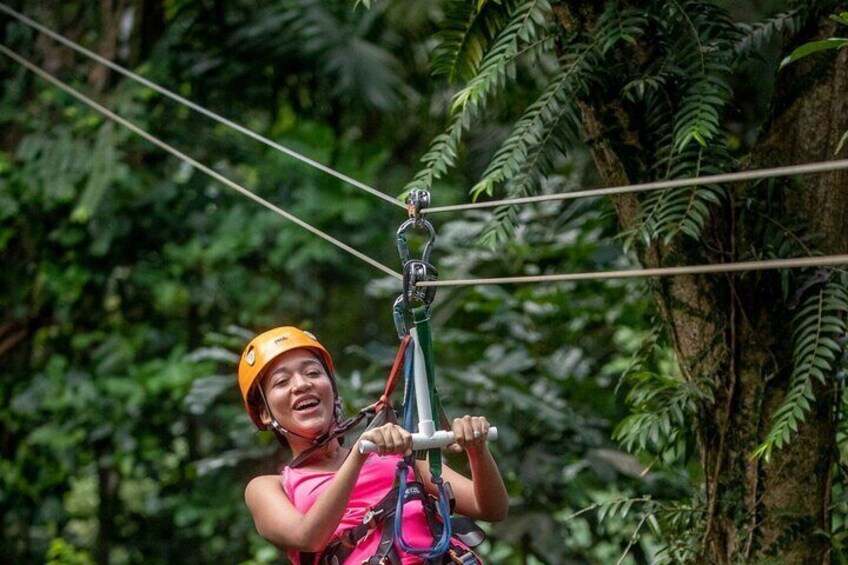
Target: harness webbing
421,316
440,521
388,512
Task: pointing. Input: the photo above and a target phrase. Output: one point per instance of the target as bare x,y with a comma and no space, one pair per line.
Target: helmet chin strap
280,430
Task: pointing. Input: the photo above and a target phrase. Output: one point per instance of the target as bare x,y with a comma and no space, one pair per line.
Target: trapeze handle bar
420,441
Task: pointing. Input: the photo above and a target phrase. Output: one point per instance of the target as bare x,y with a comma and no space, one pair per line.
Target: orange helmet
266,347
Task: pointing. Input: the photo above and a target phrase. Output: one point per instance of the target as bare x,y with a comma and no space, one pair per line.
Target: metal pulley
417,200
414,272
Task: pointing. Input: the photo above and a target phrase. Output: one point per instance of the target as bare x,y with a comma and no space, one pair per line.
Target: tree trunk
734,330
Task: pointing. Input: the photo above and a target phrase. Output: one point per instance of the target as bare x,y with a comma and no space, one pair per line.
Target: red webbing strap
394,375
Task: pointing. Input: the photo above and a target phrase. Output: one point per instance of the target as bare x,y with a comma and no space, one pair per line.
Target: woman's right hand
389,439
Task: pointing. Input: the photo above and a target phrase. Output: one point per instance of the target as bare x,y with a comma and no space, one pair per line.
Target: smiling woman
334,503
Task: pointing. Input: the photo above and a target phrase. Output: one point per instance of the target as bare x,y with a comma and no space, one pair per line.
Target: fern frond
540,119
539,162
618,507
500,227
682,527
524,26
662,406
818,325
753,37
670,212
699,116
616,25
465,34
701,53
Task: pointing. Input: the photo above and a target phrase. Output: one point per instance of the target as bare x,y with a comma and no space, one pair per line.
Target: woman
327,503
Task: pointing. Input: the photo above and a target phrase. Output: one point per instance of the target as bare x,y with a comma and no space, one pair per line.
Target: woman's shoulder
261,485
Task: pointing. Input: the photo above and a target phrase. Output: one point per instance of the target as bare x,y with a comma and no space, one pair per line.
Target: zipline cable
197,108
811,168
763,265
196,164
723,178
820,261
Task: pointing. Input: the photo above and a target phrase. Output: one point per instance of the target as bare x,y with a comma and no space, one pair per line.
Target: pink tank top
375,480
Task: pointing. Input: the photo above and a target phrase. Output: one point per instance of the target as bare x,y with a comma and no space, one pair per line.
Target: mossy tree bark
735,331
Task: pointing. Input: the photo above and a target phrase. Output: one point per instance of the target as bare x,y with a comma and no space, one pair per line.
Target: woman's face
300,393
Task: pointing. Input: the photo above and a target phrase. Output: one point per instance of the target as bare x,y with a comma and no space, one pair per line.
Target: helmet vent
250,358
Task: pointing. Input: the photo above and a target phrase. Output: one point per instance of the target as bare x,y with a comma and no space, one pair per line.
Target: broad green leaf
814,47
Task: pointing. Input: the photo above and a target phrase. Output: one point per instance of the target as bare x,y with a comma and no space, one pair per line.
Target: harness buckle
467,558
371,516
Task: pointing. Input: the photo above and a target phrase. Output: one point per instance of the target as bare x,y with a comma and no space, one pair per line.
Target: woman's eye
313,374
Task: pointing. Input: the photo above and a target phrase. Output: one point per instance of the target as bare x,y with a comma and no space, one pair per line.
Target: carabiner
402,244
399,314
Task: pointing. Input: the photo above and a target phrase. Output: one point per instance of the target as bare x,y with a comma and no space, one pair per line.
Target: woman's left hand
470,433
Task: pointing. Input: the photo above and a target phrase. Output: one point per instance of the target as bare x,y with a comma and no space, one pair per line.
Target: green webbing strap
422,324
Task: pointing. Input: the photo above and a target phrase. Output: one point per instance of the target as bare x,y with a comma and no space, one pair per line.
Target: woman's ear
265,417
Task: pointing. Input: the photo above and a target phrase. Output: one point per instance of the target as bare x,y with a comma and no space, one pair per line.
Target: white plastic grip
439,439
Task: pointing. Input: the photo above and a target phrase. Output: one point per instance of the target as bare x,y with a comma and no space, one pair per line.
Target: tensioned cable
196,164
723,178
810,168
197,108
821,261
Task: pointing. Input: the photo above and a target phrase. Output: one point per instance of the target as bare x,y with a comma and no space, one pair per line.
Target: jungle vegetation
676,420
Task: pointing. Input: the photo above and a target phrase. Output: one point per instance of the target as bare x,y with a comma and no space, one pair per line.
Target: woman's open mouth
307,405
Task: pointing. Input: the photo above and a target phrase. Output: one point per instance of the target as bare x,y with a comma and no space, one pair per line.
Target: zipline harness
411,314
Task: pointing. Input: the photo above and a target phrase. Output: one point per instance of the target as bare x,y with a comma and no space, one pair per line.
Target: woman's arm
279,522
484,496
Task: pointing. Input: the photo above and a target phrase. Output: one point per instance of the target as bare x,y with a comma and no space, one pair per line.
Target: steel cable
196,107
761,265
196,164
723,178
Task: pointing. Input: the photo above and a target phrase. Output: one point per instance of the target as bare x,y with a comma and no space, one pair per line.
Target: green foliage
680,526
62,553
553,110
524,24
814,47
466,32
755,37
817,46
662,406
684,96
662,403
820,321
672,211
130,281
